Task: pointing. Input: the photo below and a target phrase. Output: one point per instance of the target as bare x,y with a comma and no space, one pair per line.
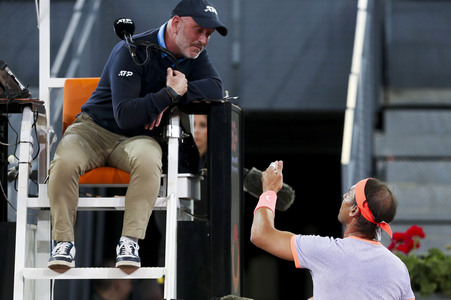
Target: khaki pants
85,146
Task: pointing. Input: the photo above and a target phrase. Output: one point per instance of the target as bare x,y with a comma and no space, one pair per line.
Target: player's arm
263,233
266,237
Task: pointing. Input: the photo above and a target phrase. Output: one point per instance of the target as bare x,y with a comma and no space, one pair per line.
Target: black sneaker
127,254
62,256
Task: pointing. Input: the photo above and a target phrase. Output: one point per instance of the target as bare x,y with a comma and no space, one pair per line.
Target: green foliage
429,273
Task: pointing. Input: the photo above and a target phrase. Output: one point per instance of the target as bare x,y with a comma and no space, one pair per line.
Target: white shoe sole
61,264
128,264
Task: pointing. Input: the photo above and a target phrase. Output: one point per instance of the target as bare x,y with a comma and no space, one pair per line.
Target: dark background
310,146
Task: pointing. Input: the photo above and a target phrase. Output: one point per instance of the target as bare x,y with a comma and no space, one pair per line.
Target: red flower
406,241
398,236
406,248
415,230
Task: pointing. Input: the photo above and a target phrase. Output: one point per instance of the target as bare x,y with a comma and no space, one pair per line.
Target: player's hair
382,204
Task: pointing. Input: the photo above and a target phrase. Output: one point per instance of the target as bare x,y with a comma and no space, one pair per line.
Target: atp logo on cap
209,8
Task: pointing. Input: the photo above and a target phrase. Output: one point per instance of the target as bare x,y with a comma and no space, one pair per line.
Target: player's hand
272,177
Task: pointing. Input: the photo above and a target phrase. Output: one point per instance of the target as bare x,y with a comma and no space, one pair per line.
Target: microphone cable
131,48
152,46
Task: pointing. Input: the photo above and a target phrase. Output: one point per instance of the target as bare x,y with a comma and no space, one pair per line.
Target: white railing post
173,134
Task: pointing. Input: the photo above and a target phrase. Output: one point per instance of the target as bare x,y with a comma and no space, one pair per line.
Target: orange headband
362,204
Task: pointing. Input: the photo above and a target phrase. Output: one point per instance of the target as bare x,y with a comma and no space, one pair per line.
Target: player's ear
354,211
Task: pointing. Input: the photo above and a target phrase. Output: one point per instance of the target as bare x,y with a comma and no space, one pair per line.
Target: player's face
346,205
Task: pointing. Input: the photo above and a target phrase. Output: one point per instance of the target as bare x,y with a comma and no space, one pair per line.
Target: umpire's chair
33,241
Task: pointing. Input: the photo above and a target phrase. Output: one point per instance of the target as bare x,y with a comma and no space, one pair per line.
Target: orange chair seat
76,92
105,175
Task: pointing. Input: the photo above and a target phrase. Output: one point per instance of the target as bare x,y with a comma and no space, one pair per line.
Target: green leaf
429,273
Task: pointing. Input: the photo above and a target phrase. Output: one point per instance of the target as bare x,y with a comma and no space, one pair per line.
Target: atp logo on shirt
124,73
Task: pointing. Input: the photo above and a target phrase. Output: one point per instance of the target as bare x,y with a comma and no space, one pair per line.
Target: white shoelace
61,248
126,248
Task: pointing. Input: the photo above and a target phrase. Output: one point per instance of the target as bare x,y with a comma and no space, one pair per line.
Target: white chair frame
31,258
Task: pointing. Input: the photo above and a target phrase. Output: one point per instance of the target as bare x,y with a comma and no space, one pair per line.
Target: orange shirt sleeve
294,252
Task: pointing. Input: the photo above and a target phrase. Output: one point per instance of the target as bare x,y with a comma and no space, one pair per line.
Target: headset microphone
124,28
